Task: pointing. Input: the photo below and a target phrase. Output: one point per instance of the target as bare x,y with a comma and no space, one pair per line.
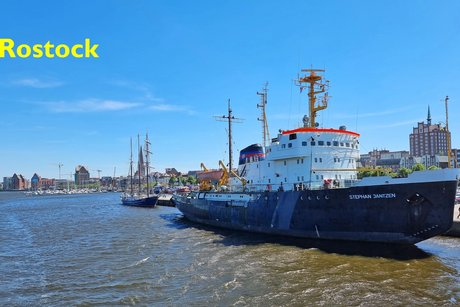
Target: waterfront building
19,182
81,175
427,160
428,139
383,158
35,182
455,156
7,183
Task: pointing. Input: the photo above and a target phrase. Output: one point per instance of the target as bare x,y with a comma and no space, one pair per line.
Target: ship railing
300,186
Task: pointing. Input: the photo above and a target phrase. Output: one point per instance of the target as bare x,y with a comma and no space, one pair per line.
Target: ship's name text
372,196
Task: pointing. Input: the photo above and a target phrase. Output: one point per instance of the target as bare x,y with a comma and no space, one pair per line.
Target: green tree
404,172
418,167
172,181
191,180
433,167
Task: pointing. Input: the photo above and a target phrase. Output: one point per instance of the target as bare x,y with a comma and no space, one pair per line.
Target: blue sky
169,66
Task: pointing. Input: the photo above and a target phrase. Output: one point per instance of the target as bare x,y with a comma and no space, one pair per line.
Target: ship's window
284,162
292,136
347,144
320,143
269,180
301,161
304,143
341,144
297,161
317,177
313,143
268,164
283,146
285,179
322,177
335,143
320,159
302,178
328,143
298,178
335,159
352,145
290,145
338,159
316,159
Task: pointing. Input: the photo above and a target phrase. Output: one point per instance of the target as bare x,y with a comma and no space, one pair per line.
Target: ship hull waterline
393,213
147,202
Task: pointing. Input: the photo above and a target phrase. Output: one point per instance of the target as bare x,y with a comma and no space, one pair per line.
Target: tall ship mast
140,199
304,183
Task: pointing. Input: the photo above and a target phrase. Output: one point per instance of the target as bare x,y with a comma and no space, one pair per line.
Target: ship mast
449,154
315,86
131,167
147,155
263,118
230,119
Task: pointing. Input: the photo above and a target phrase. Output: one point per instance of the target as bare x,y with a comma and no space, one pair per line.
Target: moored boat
143,197
304,184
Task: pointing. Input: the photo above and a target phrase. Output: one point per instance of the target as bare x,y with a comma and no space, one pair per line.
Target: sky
168,67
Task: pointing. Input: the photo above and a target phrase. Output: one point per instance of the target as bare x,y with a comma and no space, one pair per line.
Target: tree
404,172
172,181
433,167
191,180
418,167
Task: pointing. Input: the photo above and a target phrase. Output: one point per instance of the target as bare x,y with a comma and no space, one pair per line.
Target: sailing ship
303,183
142,197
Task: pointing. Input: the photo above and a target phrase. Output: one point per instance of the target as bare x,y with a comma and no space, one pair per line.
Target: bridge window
328,143
283,146
347,144
290,145
304,143
320,143
293,136
313,143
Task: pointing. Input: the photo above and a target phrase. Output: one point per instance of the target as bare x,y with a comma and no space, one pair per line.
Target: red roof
320,130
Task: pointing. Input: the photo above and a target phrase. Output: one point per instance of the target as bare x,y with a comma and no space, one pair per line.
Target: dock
165,200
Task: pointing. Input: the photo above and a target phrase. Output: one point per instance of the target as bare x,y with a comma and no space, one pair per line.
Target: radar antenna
314,83
230,119
263,118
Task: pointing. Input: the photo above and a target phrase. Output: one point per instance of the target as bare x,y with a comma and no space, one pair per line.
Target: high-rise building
428,139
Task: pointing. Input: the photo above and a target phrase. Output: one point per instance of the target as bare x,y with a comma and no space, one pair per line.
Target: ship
142,197
304,183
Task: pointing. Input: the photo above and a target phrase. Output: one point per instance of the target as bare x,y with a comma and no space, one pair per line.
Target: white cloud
90,105
163,107
37,83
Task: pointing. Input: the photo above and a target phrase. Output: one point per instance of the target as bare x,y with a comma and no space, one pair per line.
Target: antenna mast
230,119
449,154
131,167
147,154
315,86
263,118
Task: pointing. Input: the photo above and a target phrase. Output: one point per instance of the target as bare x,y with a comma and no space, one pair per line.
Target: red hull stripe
320,130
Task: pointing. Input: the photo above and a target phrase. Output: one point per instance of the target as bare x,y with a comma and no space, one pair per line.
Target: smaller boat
141,198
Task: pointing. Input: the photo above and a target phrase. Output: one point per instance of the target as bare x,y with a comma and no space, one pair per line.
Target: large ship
304,183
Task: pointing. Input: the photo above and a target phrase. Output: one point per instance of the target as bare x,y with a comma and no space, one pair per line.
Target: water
86,250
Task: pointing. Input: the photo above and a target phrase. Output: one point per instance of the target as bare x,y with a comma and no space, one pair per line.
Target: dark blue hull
392,213
147,202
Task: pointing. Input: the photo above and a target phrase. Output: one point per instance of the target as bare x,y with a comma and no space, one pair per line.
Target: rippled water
89,250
